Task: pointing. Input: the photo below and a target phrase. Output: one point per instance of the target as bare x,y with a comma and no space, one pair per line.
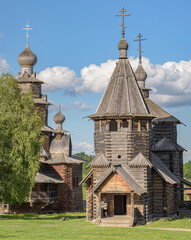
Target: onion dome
123,44
140,73
59,118
27,58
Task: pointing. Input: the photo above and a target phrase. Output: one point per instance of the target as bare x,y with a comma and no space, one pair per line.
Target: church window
125,123
77,182
171,162
43,187
135,125
73,182
112,125
143,125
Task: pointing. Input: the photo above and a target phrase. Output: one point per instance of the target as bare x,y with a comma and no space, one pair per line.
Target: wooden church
137,174
57,182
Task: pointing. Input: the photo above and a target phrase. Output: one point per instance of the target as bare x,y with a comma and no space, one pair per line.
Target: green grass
31,226
169,223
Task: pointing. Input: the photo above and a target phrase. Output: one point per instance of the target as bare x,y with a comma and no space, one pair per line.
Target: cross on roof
27,28
140,51
122,15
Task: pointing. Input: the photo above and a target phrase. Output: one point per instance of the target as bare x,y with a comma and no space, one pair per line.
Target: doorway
120,204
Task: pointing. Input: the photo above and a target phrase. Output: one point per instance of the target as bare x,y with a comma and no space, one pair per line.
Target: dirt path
168,229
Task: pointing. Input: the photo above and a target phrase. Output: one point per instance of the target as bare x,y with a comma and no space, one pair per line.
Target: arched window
112,125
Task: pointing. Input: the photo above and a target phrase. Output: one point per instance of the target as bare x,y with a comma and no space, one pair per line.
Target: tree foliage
187,170
88,159
20,142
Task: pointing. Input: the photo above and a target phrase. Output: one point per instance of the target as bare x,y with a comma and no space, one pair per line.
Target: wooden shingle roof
140,161
160,114
60,158
99,161
164,144
125,175
122,96
48,178
88,176
163,171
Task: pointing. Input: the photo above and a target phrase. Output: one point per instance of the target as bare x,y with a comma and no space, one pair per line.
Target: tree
20,141
88,159
187,170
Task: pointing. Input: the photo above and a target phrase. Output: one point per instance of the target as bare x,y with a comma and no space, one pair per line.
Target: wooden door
120,204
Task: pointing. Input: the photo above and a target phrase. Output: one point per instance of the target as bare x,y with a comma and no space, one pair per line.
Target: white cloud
170,82
4,66
80,105
187,156
83,147
58,78
96,78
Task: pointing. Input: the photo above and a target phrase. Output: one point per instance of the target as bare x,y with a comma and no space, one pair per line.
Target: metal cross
122,15
140,51
27,28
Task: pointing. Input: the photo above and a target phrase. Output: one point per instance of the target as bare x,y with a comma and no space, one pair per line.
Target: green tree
85,170
88,159
20,141
187,170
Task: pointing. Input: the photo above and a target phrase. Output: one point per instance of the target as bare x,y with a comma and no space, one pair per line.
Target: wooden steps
116,221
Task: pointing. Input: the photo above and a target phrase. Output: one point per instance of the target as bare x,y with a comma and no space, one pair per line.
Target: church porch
116,209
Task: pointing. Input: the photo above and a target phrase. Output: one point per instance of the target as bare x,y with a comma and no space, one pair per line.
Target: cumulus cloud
4,66
80,105
83,147
58,78
170,82
95,78
187,156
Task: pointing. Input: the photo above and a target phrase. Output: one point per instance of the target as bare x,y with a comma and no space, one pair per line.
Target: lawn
31,226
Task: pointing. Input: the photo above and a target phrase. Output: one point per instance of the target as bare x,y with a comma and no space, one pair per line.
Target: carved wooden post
99,207
132,208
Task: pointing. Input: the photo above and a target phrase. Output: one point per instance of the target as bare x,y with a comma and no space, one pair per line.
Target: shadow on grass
41,216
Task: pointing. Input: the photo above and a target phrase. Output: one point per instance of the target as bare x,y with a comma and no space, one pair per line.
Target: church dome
27,58
140,73
123,44
59,118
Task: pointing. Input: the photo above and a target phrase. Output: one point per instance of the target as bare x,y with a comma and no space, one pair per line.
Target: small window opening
119,156
125,123
77,182
171,163
143,125
112,125
74,182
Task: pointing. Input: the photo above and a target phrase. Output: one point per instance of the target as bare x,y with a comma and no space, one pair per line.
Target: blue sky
76,45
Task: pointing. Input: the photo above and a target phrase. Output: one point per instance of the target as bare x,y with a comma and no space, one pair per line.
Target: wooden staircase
116,221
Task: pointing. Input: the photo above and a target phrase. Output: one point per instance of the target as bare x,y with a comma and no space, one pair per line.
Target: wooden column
127,210
132,209
99,207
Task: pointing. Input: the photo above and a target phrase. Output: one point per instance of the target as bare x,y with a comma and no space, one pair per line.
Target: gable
115,184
